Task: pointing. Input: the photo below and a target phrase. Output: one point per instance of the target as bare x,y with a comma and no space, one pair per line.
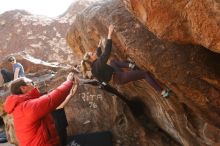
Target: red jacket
33,122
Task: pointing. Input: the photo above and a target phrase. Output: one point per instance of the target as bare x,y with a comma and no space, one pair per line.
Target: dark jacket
100,69
98,51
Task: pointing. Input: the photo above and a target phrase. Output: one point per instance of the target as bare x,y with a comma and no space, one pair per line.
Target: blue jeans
8,76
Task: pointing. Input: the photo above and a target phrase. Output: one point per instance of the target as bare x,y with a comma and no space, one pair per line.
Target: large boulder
30,63
95,109
194,21
191,114
91,110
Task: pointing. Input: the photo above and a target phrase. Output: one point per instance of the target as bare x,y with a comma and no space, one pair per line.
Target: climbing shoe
132,65
165,93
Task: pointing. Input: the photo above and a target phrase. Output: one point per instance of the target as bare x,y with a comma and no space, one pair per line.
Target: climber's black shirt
98,51
100,69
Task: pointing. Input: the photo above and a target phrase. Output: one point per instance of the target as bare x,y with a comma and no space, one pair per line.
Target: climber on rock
113,72
18,69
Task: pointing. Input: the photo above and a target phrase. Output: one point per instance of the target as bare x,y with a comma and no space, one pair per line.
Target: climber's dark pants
123,77
118,65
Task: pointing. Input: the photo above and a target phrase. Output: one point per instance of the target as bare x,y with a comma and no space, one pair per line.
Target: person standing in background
18,69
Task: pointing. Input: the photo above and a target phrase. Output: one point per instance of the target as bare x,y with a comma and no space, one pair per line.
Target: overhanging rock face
190,71
194,21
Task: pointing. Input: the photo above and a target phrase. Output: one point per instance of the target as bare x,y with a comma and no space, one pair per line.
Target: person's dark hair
11,58
16,84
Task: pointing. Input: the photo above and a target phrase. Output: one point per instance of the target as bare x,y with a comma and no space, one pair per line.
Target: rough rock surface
97,110
191,115
183,21
90,110
39,36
